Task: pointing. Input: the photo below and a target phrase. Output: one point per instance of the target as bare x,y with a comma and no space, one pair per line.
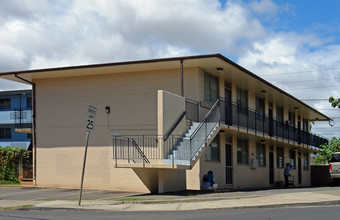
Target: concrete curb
284,205
170,201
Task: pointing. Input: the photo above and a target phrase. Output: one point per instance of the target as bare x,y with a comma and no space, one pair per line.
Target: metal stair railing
128,148
202,132
145,159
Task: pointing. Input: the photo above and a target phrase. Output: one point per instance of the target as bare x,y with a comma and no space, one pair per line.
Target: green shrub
326,152
9,163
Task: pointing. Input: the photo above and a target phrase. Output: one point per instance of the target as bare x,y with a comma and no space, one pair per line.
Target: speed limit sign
91,117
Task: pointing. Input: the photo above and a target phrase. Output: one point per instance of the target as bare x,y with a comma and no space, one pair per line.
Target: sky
294,44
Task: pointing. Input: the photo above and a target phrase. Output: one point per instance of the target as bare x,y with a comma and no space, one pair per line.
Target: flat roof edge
217,55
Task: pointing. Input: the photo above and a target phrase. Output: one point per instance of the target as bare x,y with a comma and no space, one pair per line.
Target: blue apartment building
16,118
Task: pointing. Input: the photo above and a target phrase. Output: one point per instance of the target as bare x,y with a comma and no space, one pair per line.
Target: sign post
91,116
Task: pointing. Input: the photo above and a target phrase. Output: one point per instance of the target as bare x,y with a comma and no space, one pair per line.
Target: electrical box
254,163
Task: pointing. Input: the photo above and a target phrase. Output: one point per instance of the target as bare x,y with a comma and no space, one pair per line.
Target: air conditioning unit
254,163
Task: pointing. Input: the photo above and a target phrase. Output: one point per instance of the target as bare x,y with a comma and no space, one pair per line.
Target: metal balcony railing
143,148
261,124
146,147
21,118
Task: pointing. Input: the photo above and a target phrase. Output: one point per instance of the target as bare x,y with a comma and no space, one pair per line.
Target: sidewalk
186,200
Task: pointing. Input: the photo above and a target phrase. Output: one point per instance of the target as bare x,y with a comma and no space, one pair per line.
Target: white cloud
304,65
106,31
48,33
264,7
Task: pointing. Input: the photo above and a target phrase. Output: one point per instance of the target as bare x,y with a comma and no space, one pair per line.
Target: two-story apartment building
162,124
16,118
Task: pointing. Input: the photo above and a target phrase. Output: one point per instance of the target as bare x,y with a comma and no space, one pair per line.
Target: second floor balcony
244,119
21,118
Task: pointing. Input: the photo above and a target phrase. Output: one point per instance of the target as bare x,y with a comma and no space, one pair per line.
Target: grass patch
134,199
13,208
45,200
142,199
191,194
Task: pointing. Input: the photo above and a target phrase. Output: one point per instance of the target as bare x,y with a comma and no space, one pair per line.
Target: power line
308,71
313,100
328,109
311,80
317,87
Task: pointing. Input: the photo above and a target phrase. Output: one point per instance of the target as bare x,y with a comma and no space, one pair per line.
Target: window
305,161
259,108
261,154
5,133
292,119
242,151
29,102
210,88
242,100
305,124
292,158
279,113
5,103
279,157
212,152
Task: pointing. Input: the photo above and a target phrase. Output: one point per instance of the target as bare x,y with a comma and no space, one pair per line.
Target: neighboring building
16,118
242,127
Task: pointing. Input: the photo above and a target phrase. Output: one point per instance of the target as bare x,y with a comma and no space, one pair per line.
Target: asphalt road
32,193
301,213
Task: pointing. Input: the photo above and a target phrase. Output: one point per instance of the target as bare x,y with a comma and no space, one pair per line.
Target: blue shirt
287,170
205,185
211,179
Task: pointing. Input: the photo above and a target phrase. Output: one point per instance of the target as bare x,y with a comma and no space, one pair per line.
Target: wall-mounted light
264,92
107,109
219,69
263,141
296,108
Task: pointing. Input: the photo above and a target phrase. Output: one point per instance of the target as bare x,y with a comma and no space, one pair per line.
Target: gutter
181,59
33,126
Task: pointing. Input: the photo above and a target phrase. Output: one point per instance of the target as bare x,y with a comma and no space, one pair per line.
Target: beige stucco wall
171,180
243,175
170,107
61,106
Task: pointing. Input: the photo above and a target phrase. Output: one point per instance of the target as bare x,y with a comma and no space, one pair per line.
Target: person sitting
211,178
205,183
209,184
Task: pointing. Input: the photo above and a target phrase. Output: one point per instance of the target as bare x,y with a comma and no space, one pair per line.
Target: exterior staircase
192,145
184,152
196,139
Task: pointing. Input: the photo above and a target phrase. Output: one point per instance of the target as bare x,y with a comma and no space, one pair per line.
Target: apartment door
299,169
229,164
228,107
271,167
299,130
271,120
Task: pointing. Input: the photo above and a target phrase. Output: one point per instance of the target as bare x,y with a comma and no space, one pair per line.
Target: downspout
33,126
182,84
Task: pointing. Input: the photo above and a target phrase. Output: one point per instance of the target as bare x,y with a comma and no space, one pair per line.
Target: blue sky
294,44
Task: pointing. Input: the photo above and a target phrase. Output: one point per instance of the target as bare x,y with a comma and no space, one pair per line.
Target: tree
334,102
326,152
9,163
